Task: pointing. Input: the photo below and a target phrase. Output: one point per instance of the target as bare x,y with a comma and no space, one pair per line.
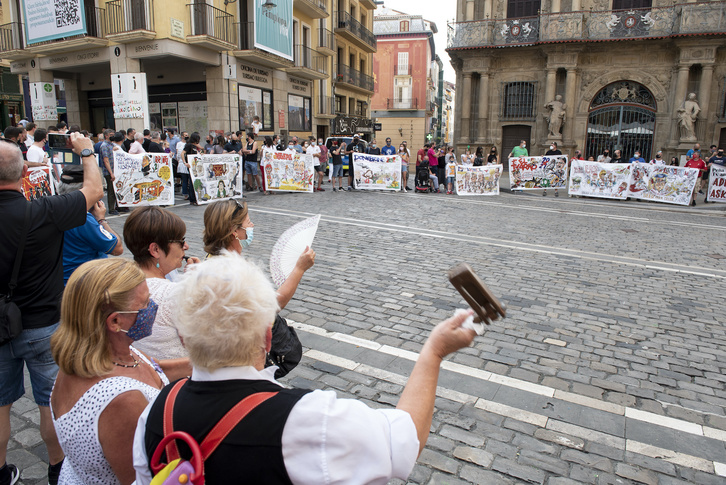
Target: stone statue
556,117
687,116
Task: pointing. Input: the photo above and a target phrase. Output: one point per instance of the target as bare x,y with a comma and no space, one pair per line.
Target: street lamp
269,4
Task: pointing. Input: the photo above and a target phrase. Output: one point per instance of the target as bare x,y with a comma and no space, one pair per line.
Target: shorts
31,347
318,168
451,180
338,170
404,167
251,168
705,175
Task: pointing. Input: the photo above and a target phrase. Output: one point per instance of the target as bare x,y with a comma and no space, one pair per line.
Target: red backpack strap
230,420
172,452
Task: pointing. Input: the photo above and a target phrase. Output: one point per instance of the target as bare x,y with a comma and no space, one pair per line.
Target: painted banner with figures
143,179
536,173
37,183
472,180
662,183
288,171
717,184
215,177
377,172
602,180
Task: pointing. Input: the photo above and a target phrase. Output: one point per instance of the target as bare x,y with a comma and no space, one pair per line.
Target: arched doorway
622,116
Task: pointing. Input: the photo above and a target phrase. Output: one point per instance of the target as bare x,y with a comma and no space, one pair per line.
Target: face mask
552,147
373,145
245,243
144,322
401,149
524,145
290,145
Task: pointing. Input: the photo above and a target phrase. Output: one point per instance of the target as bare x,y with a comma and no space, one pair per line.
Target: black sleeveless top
252,452
250,157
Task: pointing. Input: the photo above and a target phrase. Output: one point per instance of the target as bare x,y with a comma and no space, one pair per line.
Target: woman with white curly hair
225,308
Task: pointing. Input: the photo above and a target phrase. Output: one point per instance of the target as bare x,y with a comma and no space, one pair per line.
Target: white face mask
552,147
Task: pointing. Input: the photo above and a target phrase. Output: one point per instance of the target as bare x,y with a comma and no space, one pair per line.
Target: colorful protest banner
472,180
288,171
717,184
602,180
536,173
216,177
662,183
377,172
37,183
143,179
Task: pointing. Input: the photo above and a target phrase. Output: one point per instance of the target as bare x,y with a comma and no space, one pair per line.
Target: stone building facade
589,74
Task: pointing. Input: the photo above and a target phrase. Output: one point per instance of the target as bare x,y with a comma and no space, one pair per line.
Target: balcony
309,64
12,41
402,103
645,23
369,4
246,50
95,36
352,79
403,70
130,20
325,107
312,8
353,31
430,106
211,27
325,42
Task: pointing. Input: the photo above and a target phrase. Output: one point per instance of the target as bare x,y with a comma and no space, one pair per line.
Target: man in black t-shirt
355,147
39,287
130,133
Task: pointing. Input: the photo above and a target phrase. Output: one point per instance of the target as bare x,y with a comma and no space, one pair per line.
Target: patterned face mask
144,322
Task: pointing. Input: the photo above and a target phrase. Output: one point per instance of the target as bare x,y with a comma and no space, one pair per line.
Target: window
340,104
298,112
404,26
361,108
631,4
694,79
255,102
402,67
519,101
522,8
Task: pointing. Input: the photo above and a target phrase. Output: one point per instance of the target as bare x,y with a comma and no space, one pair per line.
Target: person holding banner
251,165
552,151
697,162
191,148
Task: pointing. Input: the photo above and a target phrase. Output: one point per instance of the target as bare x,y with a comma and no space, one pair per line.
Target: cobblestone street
609,368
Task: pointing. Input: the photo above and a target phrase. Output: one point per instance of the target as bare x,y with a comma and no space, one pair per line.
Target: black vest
252,451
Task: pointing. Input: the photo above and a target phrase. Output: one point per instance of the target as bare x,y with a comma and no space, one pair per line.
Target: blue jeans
184,183
338,170
31,347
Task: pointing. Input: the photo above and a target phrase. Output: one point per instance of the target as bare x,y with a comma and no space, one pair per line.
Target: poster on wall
216,177
42,102
130,98
143,179
254,102
287,171
273,28
46,20
377,172
472,180
533,173
602,180
662,183
298,112
193,117
717,184
37,183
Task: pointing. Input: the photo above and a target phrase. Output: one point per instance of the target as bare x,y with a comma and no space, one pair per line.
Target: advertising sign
377,172
216,177
273,28
48,20
42,102
472,180
143,179
130,99
288,172
602,180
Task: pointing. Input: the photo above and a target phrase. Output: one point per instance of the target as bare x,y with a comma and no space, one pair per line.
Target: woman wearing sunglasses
227,227
104,383
156,239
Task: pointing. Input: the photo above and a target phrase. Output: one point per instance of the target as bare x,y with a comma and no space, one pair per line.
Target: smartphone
486,306
60,144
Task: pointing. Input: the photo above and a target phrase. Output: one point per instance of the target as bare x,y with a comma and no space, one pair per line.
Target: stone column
570,101
550,85
483,107
576,5
222,100
469,9
556,6
122,64
488,9
704,93
465,107
680,97
76,115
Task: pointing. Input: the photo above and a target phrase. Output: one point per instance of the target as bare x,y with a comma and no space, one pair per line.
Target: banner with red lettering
536,173
717,184
37,183
662,183
142,179
288,171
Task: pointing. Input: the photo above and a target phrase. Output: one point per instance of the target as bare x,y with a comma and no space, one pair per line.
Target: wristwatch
86,152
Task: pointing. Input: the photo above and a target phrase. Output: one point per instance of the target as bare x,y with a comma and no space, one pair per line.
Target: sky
438,12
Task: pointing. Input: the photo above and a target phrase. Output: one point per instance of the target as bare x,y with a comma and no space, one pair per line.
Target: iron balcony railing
95,21
317,4
347,22
639,23
325,39
246,35
326,105
356,78
11,37
308,58
402,103
213,22
403,69
128,15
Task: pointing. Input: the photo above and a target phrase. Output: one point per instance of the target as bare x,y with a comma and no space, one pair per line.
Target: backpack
179,471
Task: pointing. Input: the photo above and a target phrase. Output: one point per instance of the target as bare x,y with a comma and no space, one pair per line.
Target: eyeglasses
181,241
238,208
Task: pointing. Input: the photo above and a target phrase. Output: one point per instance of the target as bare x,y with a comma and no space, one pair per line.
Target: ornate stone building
589,74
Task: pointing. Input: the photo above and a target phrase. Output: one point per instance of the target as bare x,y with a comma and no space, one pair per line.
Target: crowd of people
109,343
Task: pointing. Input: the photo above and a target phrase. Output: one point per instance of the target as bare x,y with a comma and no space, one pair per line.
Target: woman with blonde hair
103,383
227,227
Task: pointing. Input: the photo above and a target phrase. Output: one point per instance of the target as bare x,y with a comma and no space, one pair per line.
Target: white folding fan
290,246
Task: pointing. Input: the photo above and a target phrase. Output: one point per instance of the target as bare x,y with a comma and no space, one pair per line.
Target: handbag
179,471
286,348
11,321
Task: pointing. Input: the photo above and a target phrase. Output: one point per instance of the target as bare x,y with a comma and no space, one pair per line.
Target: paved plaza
609,368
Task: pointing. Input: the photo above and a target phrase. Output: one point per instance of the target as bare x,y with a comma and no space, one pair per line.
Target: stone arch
647,80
